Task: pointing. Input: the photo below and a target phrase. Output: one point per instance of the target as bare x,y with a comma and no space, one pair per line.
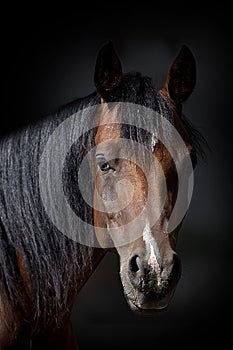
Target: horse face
149,265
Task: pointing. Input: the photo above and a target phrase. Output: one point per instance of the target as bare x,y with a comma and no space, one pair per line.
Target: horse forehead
108,131
108,128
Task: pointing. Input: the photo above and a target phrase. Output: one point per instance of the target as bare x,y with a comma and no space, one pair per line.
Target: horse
44,264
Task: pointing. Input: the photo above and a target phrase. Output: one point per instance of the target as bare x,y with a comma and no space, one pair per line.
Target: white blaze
154,140
152,247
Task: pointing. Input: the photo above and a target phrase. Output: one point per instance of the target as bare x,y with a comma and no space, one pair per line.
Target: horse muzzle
151,288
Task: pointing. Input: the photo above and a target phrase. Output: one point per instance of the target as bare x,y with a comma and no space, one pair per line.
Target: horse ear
181,77
108,71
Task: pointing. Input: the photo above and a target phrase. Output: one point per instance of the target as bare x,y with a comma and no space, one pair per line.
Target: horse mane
51,261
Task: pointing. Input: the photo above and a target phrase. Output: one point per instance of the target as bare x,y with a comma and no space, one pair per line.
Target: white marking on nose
153,262
154,140
152,247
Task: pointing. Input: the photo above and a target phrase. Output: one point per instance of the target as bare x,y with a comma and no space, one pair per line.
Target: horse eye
105,166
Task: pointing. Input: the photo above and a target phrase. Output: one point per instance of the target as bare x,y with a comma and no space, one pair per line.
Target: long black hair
30,245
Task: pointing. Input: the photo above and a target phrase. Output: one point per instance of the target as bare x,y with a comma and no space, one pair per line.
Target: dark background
48,58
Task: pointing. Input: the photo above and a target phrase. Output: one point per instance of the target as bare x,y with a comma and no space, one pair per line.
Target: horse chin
149,308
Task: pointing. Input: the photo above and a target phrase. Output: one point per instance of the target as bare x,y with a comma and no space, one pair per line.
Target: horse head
131,206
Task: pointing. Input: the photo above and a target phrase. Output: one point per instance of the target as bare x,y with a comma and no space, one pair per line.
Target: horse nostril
134,263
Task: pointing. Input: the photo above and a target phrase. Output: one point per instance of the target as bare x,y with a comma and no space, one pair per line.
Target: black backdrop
48,58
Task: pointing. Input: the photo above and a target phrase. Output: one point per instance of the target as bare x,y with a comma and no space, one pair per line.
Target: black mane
53,263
